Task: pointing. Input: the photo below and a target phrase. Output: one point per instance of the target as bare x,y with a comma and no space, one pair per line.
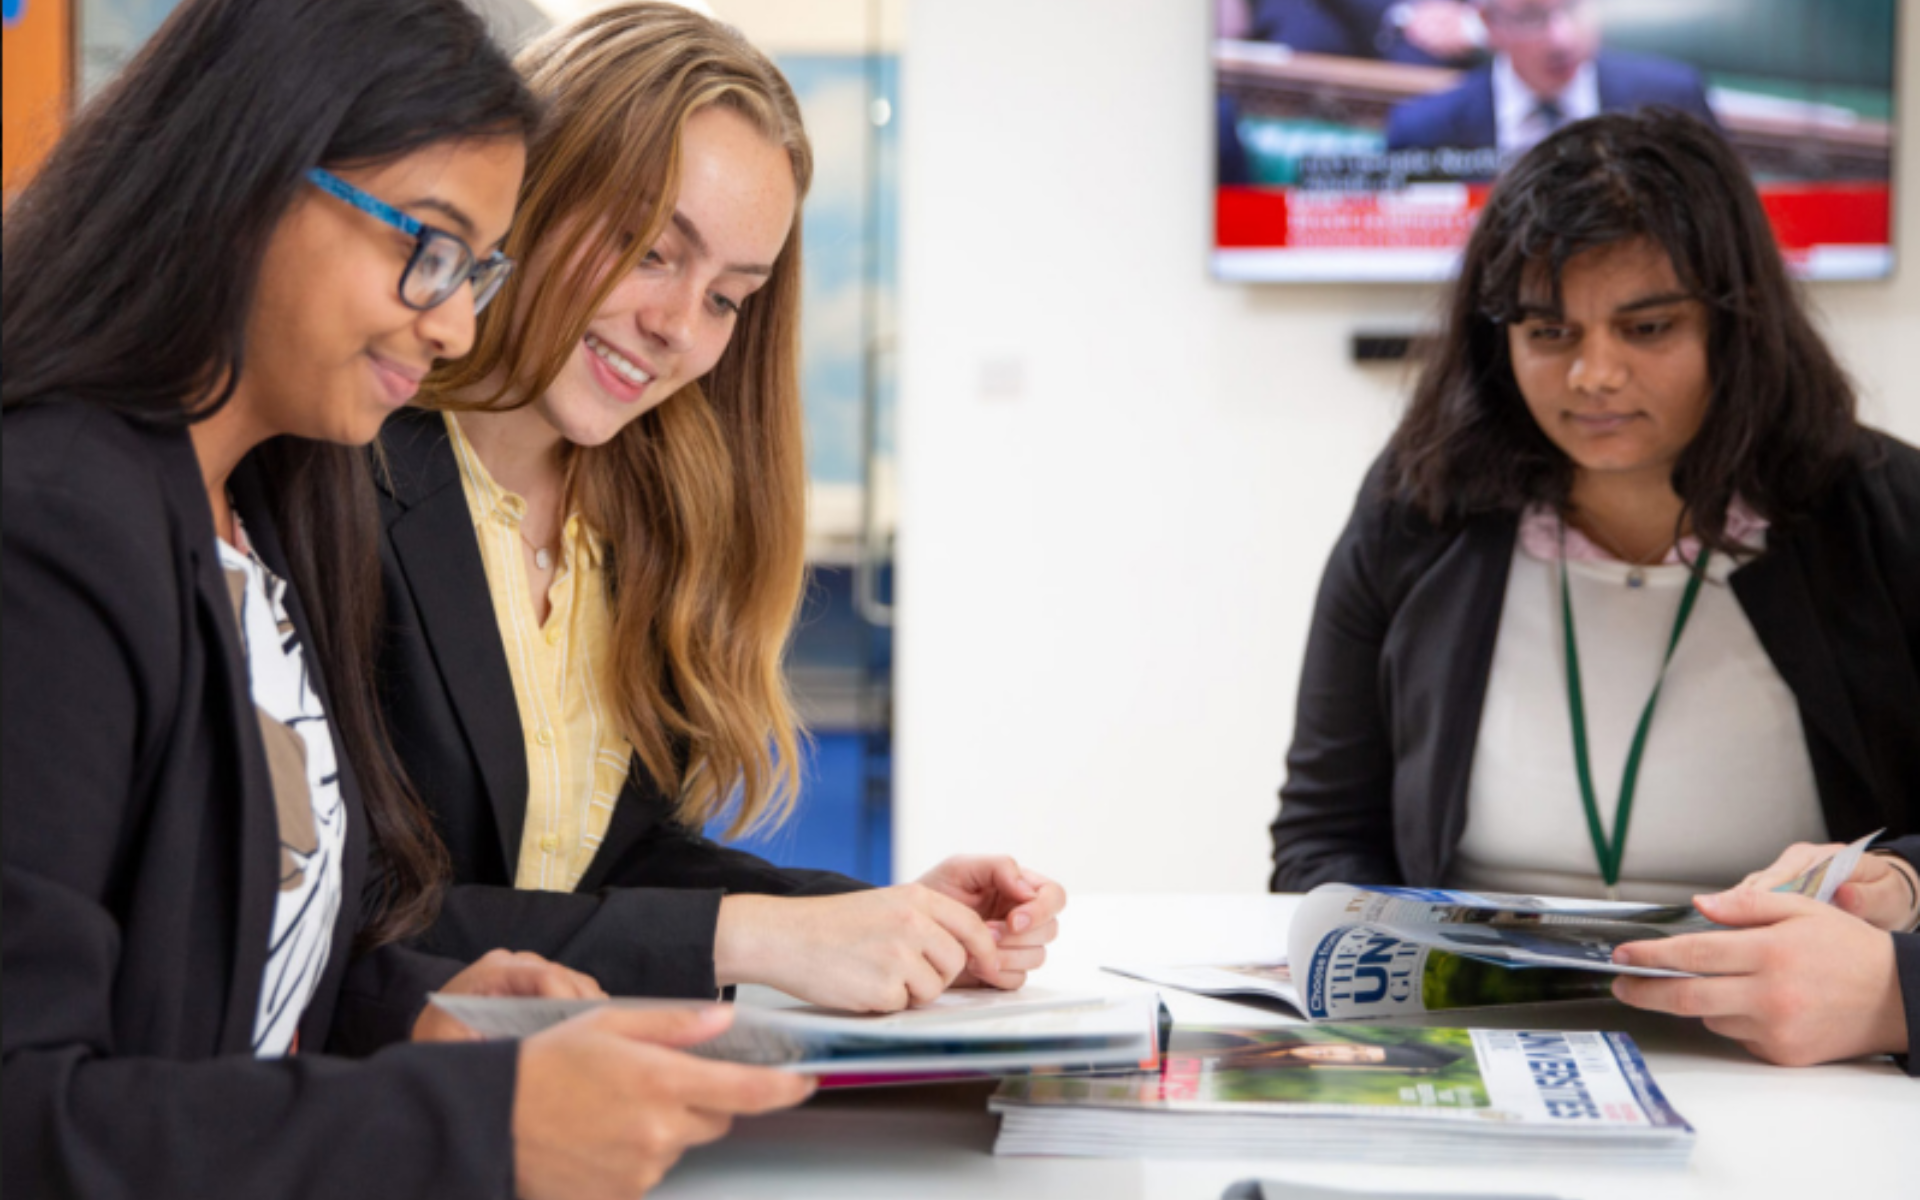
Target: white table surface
1763,1131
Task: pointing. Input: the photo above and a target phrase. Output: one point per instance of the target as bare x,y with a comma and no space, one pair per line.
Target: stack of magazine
1365,1093
1363,953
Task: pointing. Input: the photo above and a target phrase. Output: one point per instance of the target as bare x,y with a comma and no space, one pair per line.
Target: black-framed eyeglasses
440,263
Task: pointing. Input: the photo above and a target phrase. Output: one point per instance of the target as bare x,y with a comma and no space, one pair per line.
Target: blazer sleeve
1906,964
92,643
383,994
1336,806
646,941
644,922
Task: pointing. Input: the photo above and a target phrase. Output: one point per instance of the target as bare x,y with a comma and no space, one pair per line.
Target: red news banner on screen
1355,139
1811,221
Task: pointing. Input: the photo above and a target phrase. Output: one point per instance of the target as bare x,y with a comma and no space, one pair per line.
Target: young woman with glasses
594,555
244,256
1632,600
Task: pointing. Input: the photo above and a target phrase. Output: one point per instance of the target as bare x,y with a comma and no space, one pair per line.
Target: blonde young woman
594,556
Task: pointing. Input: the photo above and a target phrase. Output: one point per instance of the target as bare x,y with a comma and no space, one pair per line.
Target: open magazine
1359,953
959,1035
1366,1093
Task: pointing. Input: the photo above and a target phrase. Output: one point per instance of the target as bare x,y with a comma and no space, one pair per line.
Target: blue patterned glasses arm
440,262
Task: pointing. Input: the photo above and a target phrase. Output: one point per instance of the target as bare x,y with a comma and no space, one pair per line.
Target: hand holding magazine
1360,953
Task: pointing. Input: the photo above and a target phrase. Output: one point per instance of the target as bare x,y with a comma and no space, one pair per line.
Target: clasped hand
971,921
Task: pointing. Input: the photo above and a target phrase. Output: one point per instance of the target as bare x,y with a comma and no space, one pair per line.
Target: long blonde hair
701,500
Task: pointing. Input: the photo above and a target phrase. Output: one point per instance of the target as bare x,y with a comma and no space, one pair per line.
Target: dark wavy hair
130,265
1780,419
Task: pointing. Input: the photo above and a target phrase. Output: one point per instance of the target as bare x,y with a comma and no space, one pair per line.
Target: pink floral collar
1540,537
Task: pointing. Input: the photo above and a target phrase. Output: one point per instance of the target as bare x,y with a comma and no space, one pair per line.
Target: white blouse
1725,782
306,793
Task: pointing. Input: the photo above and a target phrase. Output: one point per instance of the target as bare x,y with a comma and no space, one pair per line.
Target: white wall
1120,480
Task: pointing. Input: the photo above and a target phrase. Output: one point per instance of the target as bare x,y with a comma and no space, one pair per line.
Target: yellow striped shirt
576,758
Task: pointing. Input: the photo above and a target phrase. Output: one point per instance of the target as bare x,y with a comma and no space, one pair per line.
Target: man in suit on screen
1427,32
1548,69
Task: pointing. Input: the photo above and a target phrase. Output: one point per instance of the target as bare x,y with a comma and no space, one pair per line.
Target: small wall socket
1389,345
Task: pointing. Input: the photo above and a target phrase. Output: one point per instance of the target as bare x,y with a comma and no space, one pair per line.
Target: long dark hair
1780,420
130,265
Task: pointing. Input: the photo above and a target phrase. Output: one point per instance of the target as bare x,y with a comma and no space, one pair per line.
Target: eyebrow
448,210
691,232
1529,312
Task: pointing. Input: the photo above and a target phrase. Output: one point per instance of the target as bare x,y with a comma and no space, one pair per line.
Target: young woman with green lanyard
1632,601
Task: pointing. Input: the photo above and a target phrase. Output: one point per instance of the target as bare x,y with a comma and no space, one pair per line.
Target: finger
1039,935
662,1026
724,1087
961,874
966,927
1704,997
1049,898
435,1024
1736,953
946,956
1012,881
1022,959
1881,903
1794,860
1747,907
698,1127
1002,981
925,984
551,979
1739,1027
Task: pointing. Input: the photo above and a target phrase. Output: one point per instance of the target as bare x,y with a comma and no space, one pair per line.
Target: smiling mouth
618,363
401,382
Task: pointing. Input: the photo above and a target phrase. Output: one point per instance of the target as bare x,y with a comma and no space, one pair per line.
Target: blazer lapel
433,541
259,838
1462,629
1774,593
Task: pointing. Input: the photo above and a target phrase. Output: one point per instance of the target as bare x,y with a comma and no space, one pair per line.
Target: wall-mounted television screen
1358,138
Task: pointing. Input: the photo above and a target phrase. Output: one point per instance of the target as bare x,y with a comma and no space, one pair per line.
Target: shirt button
544,737
549,843
553,636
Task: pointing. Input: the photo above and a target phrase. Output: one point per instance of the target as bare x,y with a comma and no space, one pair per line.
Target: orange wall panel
38,71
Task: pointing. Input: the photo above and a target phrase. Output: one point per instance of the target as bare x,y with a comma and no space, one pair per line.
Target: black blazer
141,852
1402,642
642,920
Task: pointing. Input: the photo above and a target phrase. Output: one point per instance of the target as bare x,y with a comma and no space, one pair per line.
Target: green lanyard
1609,853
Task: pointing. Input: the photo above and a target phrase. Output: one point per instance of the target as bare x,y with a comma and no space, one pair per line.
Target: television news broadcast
1357,139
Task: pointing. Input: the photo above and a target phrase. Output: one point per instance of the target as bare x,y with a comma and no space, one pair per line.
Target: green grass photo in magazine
1450,981
1322,1064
